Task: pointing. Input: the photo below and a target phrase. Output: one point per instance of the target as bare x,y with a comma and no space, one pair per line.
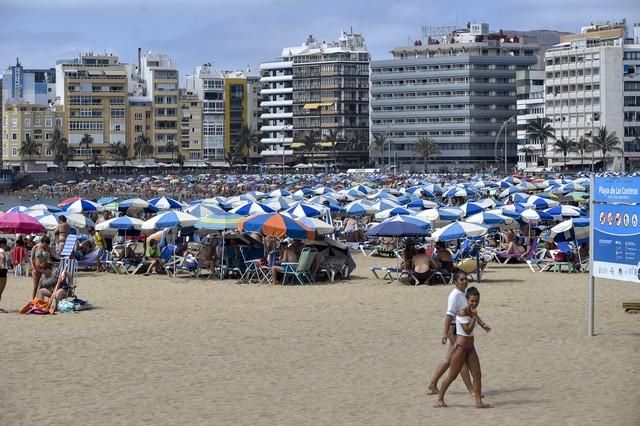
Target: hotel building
317,90
459,88
93,91
530,106
591,81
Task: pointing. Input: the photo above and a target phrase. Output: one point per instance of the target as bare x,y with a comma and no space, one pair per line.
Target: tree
231,157
62,153
528,152
180,160
541,130
583,145
310,147
358,137
334,138
564,145
248,141
379,140
119,152
28,147
171,146
142,147
427,148
605,142
86,141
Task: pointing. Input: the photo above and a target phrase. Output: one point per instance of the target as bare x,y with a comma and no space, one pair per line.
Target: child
18,257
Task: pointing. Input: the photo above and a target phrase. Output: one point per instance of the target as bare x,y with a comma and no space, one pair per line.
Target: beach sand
180,351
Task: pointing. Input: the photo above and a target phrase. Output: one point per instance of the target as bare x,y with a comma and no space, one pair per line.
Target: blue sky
236,33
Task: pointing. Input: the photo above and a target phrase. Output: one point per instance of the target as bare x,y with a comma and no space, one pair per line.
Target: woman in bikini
464,350
40,257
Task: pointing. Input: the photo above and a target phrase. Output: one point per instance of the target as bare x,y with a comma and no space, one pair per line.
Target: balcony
276,91
276,115
276,103
276,128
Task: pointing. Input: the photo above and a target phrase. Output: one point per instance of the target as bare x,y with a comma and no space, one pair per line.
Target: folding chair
252,271
69,245
301,270
70,266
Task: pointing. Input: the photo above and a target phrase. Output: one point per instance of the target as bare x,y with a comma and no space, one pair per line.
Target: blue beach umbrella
356,209
459,230
491,219
396,211
443,214
542,203
564,211
419,204
80,206
165,203
397,226
122,222
48,207
134,204
470,208
276,225
306,210
107,200
221,221
202,210
252,208
169,219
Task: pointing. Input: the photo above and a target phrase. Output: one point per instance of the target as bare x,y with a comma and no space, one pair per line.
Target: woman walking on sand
464,351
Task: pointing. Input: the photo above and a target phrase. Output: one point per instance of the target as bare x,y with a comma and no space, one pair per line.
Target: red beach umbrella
20,223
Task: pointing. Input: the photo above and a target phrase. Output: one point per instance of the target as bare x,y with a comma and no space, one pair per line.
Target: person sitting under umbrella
152,256
423,267
287,254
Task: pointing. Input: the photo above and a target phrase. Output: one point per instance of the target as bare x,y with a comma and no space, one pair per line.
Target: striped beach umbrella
82,206
306,210
221,221
574,229
252,208
169,219
67,201
319,226
80,221
165,203
531,215
491,219
279,193
399,226
47,207
541,203
276,225
49,221
396,211
459,230
564,211
122,222
202,210
133,204
18,209
443,214
419,204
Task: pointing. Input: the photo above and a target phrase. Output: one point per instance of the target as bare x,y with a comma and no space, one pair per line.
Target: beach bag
81,305
65,306
37,307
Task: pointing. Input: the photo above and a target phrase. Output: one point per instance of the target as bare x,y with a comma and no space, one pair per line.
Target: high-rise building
161,80
631,93
457,88
277,109
190,108
93,91
317,94
587,88
530,106
241,90
29,86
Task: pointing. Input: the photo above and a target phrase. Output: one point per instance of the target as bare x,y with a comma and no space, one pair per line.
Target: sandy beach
167,351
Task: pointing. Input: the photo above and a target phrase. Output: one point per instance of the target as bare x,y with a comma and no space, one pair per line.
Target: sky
235,34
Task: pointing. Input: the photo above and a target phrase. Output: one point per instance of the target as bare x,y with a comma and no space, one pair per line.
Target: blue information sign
616,229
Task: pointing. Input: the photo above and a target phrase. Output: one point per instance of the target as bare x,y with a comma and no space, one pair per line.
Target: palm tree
310,147
582,146
358,137
86,141
57,141
379,140
247,141
142,147
606,142
427,148
564,145
180,160
28,147
231,157
528,152
171,146
61,157
119,152
334,138
541,130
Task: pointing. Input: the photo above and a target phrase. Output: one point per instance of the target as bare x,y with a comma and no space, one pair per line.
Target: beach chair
252,272
301,270
69,246
505,258
70,266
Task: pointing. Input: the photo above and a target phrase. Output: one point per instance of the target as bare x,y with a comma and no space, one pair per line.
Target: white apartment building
277,117
530,106
584,88
631,92
208,84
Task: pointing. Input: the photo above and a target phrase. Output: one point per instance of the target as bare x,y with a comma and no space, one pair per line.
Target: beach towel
38,307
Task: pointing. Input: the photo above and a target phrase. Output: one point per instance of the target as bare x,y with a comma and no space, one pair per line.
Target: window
27,122
117,112
36,121
48,122
14,152
48,136
58,122
85,125
14,136
14,122
138,116
48,152
138,128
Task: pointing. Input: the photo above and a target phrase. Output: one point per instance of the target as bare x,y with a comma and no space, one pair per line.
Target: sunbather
423,267
287,254
52,277
152,255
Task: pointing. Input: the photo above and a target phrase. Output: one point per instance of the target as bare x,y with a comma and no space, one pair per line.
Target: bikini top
463,320
41,254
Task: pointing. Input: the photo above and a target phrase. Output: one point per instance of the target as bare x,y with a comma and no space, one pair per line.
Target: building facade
458,89
190,108
93,91
631,103
316,99
530,106
28,86
584,90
